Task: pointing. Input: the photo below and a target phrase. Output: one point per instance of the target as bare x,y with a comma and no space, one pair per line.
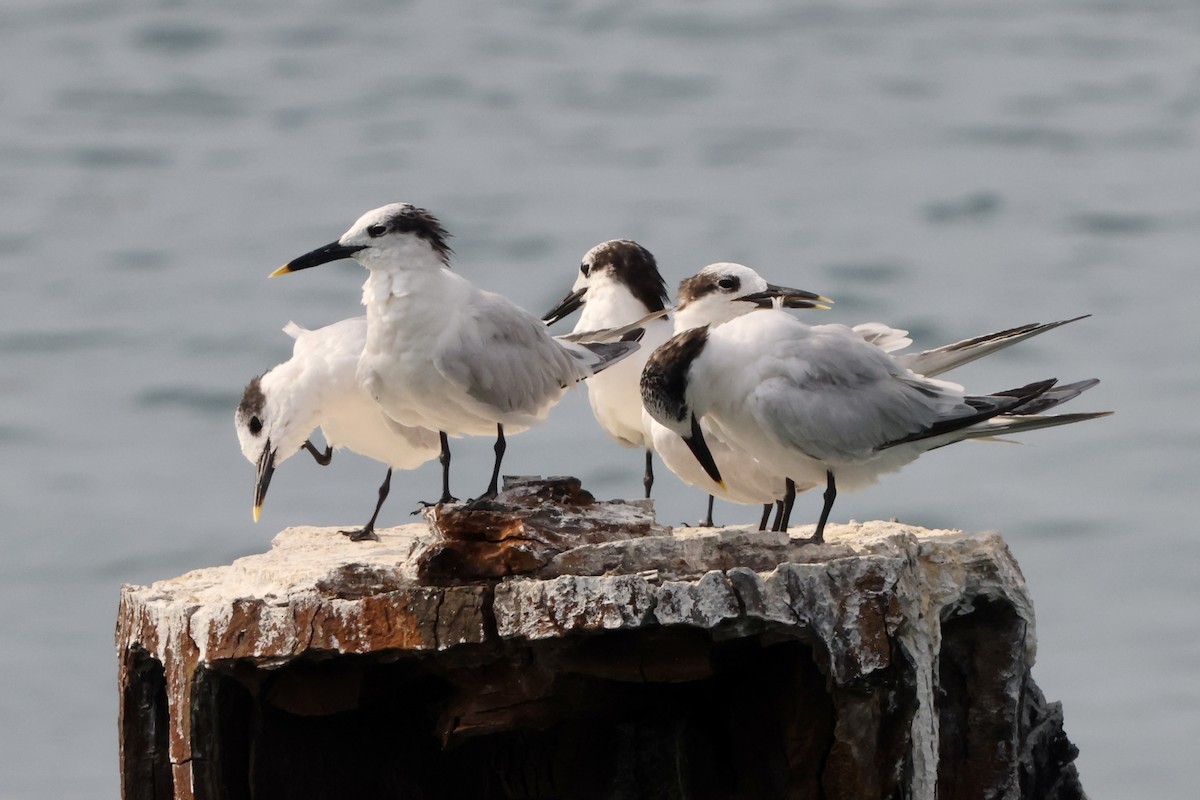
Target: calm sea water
950,168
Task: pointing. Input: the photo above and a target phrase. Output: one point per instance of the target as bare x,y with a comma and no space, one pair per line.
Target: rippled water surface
950,168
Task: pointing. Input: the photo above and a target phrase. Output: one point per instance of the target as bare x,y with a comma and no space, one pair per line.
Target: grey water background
949,168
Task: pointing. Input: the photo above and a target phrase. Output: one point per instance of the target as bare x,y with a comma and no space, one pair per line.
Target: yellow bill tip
284,270
257,512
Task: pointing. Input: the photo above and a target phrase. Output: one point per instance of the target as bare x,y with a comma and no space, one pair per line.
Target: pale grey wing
838,399
504,358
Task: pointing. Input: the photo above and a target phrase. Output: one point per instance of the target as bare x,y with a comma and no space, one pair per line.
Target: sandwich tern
821,404
443,354
619,283
318,387
717,293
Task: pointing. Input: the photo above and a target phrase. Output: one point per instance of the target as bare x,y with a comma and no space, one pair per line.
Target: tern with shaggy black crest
442,354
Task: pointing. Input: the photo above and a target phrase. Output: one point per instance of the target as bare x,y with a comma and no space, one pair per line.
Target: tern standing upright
618,284
716,294
822,404
443,354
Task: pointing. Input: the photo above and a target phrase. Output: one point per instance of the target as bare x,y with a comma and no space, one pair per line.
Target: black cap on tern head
375,226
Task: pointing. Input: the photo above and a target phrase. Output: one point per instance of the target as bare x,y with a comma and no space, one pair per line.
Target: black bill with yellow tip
262,477
791,298
334,251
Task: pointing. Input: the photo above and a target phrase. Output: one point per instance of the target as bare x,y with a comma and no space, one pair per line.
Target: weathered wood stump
549,646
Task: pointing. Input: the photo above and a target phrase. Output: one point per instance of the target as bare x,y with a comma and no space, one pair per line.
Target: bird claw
361,535
424,504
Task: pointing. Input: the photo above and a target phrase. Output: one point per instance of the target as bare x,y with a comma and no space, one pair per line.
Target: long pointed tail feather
986,407
1020,423
943,359
1054,397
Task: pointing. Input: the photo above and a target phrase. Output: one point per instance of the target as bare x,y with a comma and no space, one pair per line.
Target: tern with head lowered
821,404
443,354
318,387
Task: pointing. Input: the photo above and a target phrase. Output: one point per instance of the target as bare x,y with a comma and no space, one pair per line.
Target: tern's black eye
585,268
375,231
730,284
255,426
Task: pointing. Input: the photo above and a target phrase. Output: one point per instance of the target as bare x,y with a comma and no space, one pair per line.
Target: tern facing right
820,403
722,291
716,294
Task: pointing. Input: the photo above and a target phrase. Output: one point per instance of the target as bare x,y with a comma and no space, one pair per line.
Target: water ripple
191,398
177,38
43,342
11,434
1112,223
139,260
183,101
866,272
1022,136
114,157
972,207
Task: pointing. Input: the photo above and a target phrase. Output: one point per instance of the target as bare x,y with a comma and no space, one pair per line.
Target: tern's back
446,355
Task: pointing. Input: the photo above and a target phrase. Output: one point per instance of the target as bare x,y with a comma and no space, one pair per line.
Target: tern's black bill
565,306
322,255
262,478
791,298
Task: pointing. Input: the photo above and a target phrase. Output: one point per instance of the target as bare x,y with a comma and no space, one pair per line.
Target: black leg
785,507
648,478
368,530
707,522
321,458
830,494
499,448
762,524
444,460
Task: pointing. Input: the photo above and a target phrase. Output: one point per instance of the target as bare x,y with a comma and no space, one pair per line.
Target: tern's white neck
293,402
401,254
407,310
607,304
424,277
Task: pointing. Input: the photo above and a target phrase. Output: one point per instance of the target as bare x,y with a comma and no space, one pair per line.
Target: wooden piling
547,645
